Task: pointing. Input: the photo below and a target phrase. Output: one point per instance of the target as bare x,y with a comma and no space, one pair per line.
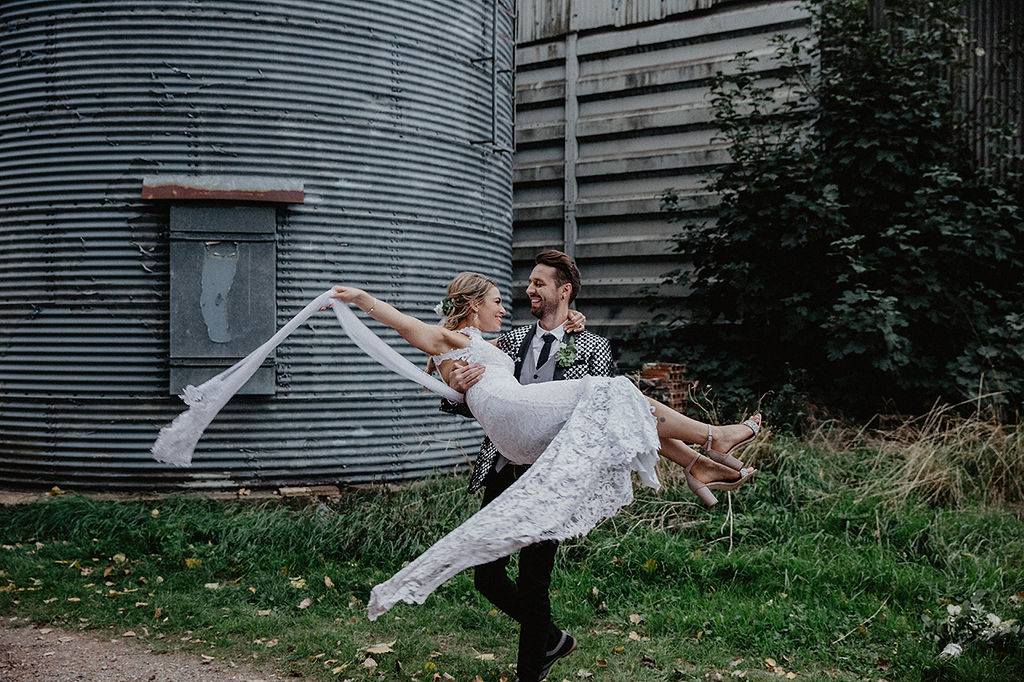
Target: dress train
582,478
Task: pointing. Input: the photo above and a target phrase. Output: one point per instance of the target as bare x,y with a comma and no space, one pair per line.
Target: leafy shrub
859,248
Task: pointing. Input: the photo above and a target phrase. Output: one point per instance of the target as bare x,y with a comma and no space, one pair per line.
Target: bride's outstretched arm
429,338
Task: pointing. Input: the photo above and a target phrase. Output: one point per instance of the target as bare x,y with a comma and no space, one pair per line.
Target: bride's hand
576,322
360,298
346,294
349,294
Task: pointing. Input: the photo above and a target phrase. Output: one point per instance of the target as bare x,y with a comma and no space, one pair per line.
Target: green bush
860,250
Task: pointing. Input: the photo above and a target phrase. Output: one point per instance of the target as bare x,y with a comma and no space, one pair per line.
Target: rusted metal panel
223,286
370,113
643,124
223,188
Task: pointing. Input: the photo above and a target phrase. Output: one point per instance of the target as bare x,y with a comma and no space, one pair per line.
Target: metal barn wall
616,93
395,119
995,89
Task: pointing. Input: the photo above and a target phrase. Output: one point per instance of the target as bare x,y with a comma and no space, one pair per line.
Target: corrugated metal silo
392,120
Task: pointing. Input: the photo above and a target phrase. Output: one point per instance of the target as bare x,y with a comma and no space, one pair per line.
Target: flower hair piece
444,308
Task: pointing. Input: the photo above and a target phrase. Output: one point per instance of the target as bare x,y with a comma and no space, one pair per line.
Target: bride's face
490,311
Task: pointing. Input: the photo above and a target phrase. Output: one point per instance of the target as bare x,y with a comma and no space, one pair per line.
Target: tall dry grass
942,457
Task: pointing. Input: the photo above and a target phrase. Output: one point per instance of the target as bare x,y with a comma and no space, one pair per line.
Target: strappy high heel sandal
726,457
699,488
703,490
745,475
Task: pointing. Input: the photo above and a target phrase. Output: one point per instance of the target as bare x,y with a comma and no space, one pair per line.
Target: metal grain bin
305,143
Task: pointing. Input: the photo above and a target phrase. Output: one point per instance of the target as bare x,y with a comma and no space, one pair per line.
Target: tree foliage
861,257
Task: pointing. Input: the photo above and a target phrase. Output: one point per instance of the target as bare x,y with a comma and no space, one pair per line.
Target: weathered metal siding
540,19
994,91
619,97
385,112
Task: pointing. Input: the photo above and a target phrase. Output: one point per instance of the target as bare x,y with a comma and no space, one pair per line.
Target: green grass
815,568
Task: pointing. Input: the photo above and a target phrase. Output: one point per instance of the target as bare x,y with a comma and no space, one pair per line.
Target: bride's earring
476,318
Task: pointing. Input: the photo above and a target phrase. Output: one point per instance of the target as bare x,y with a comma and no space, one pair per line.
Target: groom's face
547,298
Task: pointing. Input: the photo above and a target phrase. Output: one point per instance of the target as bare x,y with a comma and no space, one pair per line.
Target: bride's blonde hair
466,290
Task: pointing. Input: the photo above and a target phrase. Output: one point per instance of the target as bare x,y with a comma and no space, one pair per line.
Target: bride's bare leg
672,424
704,470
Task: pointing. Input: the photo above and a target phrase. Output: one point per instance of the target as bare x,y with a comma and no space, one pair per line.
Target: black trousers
526,599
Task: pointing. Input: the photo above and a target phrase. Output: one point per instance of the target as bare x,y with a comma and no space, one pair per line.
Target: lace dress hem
581,478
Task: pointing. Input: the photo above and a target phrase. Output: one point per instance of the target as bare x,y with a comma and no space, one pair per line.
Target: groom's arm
601,363
462,408
456,408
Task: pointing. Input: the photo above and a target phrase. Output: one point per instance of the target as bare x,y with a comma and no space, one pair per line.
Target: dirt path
37,654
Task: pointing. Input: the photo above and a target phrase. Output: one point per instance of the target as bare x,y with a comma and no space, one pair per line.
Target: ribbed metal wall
994,91
386,112
539,19
612,109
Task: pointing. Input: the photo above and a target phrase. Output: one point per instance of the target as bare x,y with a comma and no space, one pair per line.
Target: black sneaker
566,645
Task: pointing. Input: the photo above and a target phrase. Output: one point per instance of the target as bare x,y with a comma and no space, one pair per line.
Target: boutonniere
566,355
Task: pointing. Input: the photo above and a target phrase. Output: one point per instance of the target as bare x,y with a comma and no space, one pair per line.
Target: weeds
971,621
941,458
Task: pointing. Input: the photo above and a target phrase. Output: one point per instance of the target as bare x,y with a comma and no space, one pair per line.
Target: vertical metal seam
572,148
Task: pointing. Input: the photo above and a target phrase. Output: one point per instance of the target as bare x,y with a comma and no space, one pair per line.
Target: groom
542,352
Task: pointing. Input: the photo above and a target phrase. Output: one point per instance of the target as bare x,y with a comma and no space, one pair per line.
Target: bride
585,435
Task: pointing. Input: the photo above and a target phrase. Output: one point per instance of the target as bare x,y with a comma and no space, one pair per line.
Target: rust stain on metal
184,192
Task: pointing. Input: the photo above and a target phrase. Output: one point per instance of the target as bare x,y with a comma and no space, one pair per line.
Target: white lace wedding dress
585,436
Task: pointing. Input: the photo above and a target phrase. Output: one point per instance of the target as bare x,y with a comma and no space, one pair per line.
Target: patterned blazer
593,358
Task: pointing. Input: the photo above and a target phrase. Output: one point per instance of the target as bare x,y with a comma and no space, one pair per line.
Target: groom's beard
544,309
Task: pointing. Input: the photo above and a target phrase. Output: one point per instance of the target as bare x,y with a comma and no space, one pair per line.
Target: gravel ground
37,654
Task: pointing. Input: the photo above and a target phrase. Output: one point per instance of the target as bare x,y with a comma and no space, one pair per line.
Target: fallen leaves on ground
382,648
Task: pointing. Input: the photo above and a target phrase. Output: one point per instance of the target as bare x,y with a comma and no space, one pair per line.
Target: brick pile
667,382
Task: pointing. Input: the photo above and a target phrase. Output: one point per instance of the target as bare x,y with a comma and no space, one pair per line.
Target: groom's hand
464,377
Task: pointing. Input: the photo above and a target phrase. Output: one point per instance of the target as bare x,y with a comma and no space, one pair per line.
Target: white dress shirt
538,341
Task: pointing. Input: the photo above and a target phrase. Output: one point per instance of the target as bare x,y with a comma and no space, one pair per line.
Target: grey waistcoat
529,374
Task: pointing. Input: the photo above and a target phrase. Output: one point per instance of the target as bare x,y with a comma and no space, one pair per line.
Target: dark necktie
545,350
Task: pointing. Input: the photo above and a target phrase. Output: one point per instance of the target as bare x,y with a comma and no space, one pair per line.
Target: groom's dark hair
567,271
